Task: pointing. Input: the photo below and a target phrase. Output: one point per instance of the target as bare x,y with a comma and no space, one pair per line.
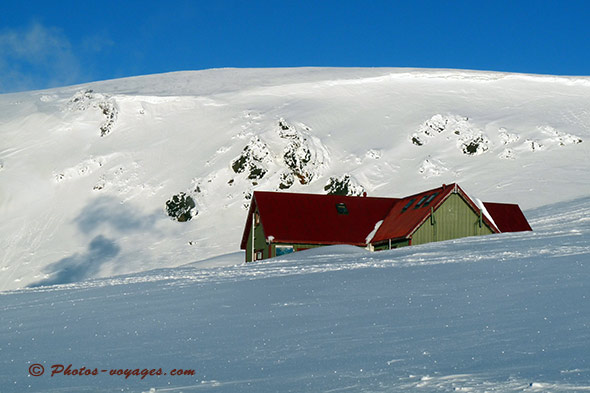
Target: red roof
508,217
407,214
314,218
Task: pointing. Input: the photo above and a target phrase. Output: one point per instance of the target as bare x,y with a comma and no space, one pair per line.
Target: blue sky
46,44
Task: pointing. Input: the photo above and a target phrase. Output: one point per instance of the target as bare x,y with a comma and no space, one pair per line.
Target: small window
420,202
256,218
258,255
408,204
430,198
283,250
341,208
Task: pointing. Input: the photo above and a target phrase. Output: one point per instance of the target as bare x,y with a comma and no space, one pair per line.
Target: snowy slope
503,313
85,171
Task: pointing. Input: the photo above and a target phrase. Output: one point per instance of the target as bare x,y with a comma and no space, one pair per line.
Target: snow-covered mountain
144,174
128,175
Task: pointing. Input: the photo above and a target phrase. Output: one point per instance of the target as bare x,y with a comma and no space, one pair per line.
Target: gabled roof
314,219
410,212
508,217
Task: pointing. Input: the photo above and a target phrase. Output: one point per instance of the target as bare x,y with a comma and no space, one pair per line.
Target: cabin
281,223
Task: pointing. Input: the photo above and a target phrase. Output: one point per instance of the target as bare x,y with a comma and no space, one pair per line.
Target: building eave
247,227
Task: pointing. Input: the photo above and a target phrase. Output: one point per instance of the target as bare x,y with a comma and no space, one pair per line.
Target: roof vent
341,208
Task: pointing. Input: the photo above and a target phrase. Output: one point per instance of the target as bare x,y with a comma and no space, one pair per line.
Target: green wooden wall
259,241
452,220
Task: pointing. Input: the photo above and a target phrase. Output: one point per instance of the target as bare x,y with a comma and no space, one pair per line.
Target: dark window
341,208
420,202
430,198
408,204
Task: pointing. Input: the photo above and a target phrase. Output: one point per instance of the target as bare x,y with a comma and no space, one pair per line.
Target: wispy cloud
36,57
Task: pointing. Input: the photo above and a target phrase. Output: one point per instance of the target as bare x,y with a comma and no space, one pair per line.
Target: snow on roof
478,202
370,236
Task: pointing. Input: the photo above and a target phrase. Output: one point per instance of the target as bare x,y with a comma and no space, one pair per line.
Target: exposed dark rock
297,157
474,146
287,180
181,207
251,160
85,99
110,111
343,186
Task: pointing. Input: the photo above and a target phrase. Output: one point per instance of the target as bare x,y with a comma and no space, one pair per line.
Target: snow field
503,313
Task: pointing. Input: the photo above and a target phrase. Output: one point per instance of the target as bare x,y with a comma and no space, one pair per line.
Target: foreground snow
502,313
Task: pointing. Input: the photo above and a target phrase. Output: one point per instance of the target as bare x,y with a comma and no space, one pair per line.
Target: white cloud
97,42
36,57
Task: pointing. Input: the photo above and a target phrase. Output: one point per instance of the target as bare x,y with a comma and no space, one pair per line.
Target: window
430,198
258,255
341,208
420,202
408,205
256,218
283,250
